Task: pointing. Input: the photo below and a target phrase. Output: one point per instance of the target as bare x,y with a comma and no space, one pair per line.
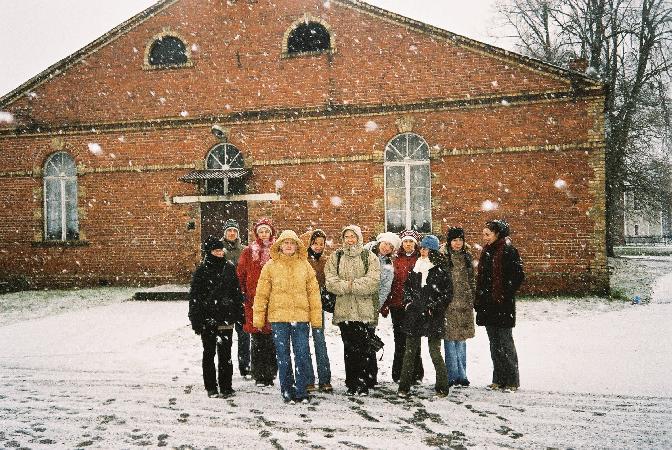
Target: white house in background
643,224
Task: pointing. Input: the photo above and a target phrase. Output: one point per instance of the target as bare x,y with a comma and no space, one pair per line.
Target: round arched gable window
167,50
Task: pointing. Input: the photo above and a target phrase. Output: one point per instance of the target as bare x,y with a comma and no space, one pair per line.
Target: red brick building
116,161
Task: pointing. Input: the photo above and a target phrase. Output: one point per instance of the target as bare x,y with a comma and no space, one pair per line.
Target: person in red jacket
252,259
407,255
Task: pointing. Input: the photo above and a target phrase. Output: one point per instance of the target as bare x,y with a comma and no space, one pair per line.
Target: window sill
146,66
286,55
74,243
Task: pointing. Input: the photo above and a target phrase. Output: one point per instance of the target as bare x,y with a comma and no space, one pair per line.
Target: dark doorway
214,214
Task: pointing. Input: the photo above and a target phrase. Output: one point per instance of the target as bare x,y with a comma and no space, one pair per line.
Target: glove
384,310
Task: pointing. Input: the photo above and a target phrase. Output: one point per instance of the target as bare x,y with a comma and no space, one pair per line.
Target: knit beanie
455,233
411,235
390,238
212,243
230,223
431,242
266,222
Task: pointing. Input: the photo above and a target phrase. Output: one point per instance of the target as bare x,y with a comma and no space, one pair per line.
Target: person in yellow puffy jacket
288,297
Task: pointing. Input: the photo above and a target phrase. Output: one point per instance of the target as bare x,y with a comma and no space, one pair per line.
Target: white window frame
62,179
407,163
236,162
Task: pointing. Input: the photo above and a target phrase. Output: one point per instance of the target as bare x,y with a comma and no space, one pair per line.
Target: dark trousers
412,352
504,356
221,376
243,350
400,348
371,364
355,356
264,364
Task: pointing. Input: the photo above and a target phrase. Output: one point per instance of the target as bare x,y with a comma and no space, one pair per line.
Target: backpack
364,255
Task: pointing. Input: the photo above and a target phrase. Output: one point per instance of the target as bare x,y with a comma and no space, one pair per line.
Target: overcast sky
35,34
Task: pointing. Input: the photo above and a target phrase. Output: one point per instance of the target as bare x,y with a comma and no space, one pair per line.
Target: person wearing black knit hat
500,274
215,305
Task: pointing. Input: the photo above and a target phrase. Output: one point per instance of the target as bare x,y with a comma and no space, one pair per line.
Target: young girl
316,241
500,273
460,311
427,293
288,296
252,259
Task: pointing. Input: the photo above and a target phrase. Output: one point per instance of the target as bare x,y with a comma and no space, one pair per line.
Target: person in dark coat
403,265
500,274
427,293
215,306
233,249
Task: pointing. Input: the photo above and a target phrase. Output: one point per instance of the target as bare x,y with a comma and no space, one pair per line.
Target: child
427,293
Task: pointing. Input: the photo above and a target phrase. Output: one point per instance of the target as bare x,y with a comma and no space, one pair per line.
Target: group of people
279,286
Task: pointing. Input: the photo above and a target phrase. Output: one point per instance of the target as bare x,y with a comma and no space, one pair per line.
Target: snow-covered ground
87,369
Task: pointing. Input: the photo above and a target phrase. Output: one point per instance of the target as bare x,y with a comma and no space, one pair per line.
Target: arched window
408,186
60,198
308,37
227,159
168,51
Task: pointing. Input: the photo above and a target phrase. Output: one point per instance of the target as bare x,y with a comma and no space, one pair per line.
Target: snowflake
184,113
371,126
560,184
279,184
95,148
489,205
336,201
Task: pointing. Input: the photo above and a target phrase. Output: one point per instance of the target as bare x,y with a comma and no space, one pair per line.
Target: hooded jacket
287,290
460,311
358,303
214,297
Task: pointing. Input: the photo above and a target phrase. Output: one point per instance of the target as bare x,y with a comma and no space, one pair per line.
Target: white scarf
422,266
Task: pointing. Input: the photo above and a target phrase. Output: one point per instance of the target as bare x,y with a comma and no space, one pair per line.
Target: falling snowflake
194,47
327,4
184,113
494,83
336,201
316,204
489,205
371,126
6,117
560,184
95,148
505,103
162,100
279,184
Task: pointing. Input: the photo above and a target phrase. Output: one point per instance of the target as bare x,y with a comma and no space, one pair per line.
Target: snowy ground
86,369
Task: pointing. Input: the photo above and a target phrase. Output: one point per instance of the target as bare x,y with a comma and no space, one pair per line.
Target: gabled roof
582,80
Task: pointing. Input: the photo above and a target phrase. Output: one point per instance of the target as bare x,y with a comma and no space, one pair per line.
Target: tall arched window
226,158
408,186
61,222
168,51
308,37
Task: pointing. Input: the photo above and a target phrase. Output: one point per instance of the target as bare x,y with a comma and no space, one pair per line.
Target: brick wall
499,129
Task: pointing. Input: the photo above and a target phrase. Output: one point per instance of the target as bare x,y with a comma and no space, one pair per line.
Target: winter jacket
386,278
490,311
426,305
233,250
252,259
317,261
214,298
403,264
359,303
460,311
287,290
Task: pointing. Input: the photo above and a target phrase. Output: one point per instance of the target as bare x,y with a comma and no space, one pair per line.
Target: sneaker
363,392
510,389
290,401
492,387
213,394
326,387
304,400
351,391
402,394
311,388
226,393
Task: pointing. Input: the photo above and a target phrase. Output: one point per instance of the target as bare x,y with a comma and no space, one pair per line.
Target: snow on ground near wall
594,373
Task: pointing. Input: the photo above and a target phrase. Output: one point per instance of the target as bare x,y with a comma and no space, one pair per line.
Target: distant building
123,156
644,224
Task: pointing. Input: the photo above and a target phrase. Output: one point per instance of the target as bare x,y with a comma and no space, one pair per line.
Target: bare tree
628,46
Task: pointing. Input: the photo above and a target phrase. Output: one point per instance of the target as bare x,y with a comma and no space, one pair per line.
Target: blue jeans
321,357
456,360
294,335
